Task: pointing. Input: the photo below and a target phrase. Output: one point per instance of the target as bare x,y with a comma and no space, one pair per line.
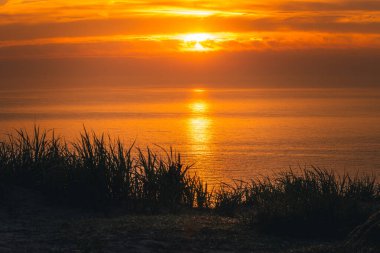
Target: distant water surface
227,133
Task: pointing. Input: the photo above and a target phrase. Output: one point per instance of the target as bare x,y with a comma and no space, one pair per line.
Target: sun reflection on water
200,130
198,107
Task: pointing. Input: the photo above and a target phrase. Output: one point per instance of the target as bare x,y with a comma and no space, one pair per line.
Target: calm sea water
228,134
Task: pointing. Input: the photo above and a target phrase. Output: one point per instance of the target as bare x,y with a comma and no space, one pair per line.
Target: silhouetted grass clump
314,202
98,172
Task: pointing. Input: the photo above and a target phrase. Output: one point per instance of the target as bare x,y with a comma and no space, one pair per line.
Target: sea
226,134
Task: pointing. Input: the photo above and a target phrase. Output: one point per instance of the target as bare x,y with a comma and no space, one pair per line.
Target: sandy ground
28,224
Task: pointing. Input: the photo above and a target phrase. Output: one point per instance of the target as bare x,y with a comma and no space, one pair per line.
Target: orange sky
36,30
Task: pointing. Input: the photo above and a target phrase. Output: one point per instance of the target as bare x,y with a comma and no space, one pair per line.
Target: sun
196,41
197,37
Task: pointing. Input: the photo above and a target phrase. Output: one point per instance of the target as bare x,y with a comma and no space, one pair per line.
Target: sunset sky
307,43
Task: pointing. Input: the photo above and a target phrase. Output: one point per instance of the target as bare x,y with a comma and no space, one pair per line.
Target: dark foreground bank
29,224
97,195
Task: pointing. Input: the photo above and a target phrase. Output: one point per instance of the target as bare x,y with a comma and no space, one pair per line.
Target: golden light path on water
199,127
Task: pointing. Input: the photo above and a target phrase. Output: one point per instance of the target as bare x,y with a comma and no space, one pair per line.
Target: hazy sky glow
179,31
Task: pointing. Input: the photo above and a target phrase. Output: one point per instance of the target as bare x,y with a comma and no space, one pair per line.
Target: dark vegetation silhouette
98,172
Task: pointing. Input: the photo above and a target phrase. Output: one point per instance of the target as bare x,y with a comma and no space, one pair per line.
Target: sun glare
183,12
196,41
197,37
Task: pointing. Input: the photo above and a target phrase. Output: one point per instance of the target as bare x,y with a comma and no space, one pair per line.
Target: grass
99,172
312,202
